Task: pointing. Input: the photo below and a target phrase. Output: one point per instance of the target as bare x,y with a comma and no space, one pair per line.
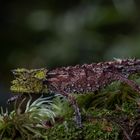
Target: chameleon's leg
129,82
13,99
73,102
76,109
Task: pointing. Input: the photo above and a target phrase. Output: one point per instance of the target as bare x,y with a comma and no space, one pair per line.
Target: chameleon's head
29,81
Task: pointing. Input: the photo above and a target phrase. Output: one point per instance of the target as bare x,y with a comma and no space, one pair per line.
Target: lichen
29,81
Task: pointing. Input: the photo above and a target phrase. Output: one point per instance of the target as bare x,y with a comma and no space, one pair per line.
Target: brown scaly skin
92,77
86,78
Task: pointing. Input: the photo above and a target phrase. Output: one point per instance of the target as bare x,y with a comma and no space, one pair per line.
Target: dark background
52,33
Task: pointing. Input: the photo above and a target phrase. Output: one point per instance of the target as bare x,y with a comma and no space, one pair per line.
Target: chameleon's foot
77,116
74,104
76,110
13,99
78,120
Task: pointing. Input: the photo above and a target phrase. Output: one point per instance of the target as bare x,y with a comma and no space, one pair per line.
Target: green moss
98,123
95,130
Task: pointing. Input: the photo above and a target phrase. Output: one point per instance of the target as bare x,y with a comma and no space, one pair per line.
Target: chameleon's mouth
28,81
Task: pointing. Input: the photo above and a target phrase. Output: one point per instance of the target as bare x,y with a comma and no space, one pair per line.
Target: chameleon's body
91,78
86,78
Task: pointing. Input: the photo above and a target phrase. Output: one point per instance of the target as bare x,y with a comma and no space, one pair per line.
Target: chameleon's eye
40,74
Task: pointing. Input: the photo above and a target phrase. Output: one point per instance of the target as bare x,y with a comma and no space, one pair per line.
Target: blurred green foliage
51,33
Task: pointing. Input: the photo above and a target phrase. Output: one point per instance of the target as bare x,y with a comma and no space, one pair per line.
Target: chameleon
83,79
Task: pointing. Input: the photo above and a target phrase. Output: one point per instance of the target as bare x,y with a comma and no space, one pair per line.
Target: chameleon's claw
13,99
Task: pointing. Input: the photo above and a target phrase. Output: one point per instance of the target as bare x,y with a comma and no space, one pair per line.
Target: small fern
62,107
30,123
